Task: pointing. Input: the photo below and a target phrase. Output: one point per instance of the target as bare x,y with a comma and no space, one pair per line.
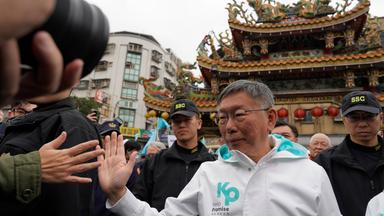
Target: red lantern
333,111
299,113
317,111
282,112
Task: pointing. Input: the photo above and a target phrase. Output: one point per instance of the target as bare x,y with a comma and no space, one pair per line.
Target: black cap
360,101
130,145
184,107
108,127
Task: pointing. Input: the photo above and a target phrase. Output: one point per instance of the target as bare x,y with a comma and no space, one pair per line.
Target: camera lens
79,29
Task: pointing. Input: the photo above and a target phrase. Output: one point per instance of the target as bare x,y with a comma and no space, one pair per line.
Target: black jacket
352,184
29,133
166,173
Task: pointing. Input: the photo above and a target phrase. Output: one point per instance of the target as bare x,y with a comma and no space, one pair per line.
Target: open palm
114,170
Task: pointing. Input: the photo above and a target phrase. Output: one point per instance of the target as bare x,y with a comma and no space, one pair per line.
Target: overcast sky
178,24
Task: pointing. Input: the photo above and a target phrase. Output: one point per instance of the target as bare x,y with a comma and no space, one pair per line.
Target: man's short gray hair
255,89
321,135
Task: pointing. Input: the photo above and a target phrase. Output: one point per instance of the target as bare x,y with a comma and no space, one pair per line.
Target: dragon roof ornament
271,11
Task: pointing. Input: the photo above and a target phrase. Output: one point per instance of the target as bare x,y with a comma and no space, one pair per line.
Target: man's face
244,123
286,132
185,128
363,127
317,145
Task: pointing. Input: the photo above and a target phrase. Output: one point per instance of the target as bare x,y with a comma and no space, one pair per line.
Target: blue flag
161,123
137,136
202,140
151,139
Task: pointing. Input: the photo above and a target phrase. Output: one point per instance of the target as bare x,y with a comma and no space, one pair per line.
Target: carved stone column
349,37
329,40
373,77
349,79
214,85
247,47
263,43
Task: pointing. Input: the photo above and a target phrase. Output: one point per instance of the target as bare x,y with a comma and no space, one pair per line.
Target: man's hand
49,77
114,171
152,150
57,166
92,117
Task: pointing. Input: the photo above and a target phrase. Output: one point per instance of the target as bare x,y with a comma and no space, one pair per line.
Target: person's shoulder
379,198
325,157
155,158
375,203
328,153
213,165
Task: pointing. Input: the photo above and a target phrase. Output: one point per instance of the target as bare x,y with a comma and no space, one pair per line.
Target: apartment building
115,81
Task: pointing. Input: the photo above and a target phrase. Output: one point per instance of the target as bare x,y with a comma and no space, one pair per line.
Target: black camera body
80,30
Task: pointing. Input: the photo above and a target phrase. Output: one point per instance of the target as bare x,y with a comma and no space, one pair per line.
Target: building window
128,116
170,69
100,83
84,84
157,56
110,49
103,66
129,90
132,67
169,84
154,72
137,48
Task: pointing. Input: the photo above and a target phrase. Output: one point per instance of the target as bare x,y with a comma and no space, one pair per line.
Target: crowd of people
48,149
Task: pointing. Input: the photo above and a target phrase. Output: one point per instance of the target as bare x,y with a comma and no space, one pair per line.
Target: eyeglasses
237,116
21,111
359,117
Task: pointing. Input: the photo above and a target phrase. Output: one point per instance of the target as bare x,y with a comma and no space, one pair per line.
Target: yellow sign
127,131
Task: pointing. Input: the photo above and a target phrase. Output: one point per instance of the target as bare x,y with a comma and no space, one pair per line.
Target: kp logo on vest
231,194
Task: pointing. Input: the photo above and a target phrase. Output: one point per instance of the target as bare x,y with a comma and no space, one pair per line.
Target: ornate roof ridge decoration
204,104
372,56
159,98
291,23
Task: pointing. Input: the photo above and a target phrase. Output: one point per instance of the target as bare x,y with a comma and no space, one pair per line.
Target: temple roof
204,104
301,24
371,57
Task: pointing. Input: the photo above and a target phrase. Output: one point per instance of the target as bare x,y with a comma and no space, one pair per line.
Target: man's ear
200,123
272,118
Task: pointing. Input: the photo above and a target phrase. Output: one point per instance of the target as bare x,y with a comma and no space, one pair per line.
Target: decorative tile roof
203,103
370,57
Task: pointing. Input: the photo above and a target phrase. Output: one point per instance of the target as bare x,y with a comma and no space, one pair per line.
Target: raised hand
114,171
58,166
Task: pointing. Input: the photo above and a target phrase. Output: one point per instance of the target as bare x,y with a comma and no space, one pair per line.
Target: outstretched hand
58,166
115,171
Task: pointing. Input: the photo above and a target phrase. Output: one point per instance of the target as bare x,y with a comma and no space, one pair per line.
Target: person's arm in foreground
24,173
114,172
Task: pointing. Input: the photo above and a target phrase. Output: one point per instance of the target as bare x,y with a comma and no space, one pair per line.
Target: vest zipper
372,183
186,173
